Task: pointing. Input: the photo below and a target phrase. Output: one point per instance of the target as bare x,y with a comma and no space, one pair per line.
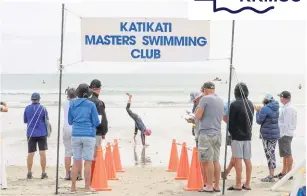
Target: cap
268,97
195,95
83,91
95,84
285,94
35,96
147,132
208,85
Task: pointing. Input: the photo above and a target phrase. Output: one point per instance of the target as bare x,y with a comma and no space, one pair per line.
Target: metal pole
60,93
229,93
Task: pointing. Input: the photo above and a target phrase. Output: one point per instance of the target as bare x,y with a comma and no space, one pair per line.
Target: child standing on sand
139,125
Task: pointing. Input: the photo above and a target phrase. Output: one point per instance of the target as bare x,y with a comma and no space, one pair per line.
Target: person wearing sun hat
267,117
195,98
287,124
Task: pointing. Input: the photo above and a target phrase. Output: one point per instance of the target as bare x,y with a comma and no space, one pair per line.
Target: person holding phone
195,98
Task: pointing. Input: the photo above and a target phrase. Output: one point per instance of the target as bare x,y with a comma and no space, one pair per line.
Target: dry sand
147,181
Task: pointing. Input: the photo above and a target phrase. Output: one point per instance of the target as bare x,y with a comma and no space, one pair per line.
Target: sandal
79,177
92,191
279,175
232,188
206,191
245,188
268,179
68,177
29,175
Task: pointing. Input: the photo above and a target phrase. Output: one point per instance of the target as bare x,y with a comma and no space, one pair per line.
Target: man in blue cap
34,116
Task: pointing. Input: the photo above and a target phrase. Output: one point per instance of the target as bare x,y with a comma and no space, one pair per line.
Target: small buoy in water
300,86
44,82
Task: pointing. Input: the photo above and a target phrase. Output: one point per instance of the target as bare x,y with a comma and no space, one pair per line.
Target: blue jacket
83,117
34,117
267,117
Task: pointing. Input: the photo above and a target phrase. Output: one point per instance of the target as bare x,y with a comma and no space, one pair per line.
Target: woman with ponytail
83,117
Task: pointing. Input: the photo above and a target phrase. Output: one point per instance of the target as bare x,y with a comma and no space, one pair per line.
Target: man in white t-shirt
67,129
287,124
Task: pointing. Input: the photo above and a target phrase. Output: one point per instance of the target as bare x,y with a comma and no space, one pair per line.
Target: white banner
144,39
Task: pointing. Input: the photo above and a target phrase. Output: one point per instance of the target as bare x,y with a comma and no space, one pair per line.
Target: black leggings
135,118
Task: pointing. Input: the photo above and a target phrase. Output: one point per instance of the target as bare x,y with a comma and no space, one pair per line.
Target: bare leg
30,161
210,175
217,171
248,165
130,97
87,175
143,138
203,171
289,163
238,168
74,173
67,165
43,160
230,165
80,169
284,166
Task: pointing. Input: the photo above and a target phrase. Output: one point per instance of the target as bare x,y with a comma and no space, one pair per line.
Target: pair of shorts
67,141
83,148
241,149
284,144
98,140
209,148
40,141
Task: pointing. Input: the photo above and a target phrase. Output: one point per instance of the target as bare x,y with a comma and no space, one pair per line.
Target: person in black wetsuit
139,125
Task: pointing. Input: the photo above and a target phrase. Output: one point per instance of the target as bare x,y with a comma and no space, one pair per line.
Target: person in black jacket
102,128
241,114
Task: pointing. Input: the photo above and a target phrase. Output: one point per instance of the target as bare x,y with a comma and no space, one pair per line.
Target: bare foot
73,190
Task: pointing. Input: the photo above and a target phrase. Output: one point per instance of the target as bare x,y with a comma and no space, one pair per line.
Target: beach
145,167
162,104
135,181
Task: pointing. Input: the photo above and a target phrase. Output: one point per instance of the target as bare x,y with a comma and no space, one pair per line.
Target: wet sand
135,181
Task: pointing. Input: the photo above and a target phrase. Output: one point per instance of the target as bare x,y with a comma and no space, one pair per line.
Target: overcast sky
31,40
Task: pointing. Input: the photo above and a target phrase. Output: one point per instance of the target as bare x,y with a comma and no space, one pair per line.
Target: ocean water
149,90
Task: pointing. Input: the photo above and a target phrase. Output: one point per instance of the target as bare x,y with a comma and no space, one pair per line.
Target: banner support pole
229,94
60,93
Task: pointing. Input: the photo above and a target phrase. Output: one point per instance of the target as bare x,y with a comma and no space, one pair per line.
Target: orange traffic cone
183,168
173,160
99,179
110,163
195,181
116,157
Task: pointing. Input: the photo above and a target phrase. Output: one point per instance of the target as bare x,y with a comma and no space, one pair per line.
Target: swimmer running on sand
139,125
